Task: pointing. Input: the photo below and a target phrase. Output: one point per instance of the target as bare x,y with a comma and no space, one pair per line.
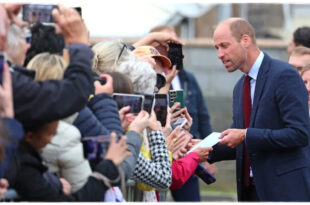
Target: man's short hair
300,51
240,27
301,36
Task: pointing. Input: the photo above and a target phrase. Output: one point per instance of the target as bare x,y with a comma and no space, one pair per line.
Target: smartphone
134,101
160,108
175,54
160,81
180,121
2,62
148,103
102,81
42,13
176,96
95,148
204,174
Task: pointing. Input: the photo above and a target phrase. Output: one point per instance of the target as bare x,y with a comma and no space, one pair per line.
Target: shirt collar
255,68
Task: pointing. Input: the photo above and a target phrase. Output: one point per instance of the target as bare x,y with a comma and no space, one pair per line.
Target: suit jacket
278,135
196,105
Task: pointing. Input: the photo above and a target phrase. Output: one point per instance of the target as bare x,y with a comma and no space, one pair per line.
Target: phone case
204,174
176,96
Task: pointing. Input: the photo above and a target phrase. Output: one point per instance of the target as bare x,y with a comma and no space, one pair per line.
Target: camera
102,81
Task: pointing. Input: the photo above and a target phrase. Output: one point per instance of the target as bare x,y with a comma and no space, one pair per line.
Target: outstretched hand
117,151
232,137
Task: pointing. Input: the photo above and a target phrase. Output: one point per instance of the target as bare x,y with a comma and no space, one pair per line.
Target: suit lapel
259,87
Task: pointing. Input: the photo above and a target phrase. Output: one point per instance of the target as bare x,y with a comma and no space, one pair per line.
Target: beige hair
15,38
141,74
304,69
239,27
48,66
108,55
300,51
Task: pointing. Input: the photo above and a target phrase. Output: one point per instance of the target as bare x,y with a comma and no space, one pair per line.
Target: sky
133,18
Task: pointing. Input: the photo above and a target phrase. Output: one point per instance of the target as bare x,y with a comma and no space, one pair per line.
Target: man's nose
220,54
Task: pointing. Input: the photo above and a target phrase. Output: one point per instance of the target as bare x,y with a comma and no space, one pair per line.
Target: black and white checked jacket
157,171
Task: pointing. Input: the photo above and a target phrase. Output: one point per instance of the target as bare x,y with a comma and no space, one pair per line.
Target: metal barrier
133,194
10,196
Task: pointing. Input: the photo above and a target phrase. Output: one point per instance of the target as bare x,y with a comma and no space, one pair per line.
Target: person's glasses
122,50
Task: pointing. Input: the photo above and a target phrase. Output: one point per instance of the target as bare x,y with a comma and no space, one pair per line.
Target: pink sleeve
183,169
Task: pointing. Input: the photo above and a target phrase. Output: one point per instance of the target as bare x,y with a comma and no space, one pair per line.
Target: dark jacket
14,133
27,172
277,139
106,110
195,103
89,125
100,117
37,103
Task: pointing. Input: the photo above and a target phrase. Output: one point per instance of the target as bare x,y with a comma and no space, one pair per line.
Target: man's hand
70,25
232,137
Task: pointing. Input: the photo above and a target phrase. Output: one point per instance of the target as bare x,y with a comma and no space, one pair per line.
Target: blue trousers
189,192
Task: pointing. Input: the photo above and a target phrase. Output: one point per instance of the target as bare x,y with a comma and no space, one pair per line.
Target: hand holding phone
204,174
153,124
140,122
180,122
70,24
103,84
117,150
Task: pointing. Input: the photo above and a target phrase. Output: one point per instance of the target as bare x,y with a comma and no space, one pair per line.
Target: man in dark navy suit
270,131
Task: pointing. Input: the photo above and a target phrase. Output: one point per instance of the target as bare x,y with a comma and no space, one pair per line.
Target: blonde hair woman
108,55
48,66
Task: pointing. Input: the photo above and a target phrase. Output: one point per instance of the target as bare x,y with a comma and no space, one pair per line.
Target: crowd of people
64,137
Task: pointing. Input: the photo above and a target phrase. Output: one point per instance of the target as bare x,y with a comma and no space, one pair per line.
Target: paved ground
212,197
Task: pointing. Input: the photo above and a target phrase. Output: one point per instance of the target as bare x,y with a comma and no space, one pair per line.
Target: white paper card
209,141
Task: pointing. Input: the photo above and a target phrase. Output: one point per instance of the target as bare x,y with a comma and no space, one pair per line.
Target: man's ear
245,40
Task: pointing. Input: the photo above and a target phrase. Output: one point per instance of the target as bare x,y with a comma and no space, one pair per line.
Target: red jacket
183,169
